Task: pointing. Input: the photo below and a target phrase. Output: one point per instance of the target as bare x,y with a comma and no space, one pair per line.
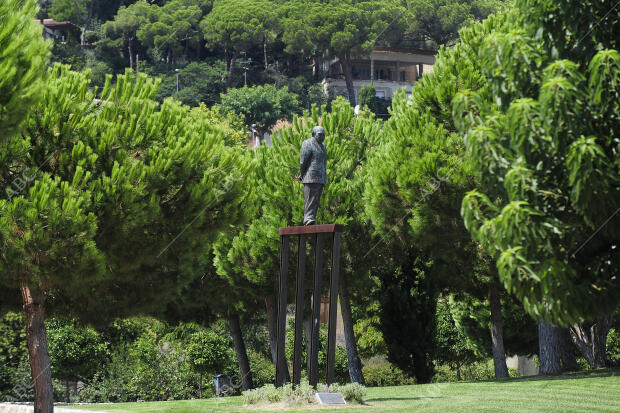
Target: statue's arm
304,159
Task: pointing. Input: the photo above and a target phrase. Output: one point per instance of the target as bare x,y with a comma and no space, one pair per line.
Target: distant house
388,68
59,31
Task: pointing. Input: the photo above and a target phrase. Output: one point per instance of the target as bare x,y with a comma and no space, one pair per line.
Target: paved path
25,408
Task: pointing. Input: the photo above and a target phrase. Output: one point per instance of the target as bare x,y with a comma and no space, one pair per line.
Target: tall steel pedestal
320,232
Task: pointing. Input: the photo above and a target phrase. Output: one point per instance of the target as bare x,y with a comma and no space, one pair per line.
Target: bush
149,369
379,373
98,71
304,393
262,369
271,393
370,341
18,386
252,396
261,105
477,371
613,347
352,392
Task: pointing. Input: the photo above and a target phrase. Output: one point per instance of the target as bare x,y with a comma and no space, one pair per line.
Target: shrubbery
262,369
304,393
379,373
480,370
613,347
352,392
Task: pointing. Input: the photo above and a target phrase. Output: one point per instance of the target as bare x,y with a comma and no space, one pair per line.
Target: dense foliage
492,188
23,57
415,181
261,106
545,147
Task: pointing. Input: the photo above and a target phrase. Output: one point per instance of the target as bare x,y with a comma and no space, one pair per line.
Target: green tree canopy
439,21
545,150
126,24
261,105
415,181
123,199
236,26
23,58
171,29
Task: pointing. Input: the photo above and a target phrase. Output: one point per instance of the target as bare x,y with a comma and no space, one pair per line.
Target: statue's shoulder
307,144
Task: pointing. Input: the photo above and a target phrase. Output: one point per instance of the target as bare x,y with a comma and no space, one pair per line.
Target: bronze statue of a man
313,173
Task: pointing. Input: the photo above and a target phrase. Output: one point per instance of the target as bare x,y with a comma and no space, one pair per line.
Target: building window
380,94
402,77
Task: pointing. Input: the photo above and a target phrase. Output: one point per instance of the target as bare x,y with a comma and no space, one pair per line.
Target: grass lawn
597,391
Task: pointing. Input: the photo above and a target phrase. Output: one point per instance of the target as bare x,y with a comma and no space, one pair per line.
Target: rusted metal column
280,358
299,309
303,232
333,309
313,375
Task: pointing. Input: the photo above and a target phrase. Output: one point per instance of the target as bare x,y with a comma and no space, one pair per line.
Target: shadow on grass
396,398
588,374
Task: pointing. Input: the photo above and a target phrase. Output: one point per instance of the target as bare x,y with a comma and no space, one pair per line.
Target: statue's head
318,133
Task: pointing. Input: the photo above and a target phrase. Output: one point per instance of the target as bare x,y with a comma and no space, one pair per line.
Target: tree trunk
423,370
242,354
582,341
599,340
289,65
83,36
278,77
200,385
316,69
567,355
355,364
85,19
130,50
226,61
497,334
347,70
593,345
231,68
549,349
67,395
37,351
458,370
265,51
272,325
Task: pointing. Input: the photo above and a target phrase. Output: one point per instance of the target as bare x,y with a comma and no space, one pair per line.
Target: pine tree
416,179
23,59
124,198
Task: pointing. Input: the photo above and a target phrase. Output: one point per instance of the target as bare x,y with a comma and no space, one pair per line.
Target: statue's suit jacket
313,159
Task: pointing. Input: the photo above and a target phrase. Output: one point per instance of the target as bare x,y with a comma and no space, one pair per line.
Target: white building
388,68
58,31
